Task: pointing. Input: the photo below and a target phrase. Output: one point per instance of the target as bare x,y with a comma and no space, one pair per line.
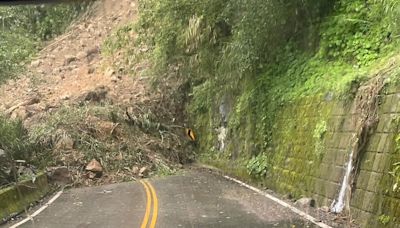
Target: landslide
81,106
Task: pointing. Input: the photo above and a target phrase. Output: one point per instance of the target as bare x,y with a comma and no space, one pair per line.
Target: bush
15,145
23,28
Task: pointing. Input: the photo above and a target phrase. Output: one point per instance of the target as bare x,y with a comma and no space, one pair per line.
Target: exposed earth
74,100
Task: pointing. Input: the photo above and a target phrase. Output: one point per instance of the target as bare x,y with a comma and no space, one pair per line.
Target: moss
14,201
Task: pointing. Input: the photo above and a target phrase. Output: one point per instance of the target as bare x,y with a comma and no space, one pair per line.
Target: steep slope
75,103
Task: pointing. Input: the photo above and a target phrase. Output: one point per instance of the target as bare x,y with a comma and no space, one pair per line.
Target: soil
70,72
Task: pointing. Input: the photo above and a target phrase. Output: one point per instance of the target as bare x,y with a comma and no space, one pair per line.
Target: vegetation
384,219
24,28
257,166
15,145
264,54
260,57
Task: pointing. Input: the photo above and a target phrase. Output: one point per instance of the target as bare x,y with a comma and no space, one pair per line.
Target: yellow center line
155,205
148,206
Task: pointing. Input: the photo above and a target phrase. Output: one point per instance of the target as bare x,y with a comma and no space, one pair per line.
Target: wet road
190,199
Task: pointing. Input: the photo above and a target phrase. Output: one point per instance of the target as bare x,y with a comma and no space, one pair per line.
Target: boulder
59,175
94,166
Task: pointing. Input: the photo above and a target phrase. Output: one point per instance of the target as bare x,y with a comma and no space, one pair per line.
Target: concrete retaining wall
15,199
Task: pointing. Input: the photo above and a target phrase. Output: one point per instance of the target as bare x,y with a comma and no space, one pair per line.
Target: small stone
91,70
94,166
2,153
93,175
305,202
135,170
110,72
69,59
114,79
59,175
143,172
51,56
65,97
36,63
325,209
57,70
81,55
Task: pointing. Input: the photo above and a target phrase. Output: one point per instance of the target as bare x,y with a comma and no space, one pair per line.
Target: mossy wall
15,199
309,149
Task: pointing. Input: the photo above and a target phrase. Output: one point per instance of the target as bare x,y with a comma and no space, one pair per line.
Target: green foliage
320,130
318,135
15,143
258,166
395,173
14,50
262,54
14,140
23,28
384,219
357,32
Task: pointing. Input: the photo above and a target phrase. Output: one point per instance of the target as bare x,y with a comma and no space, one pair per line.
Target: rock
50,56
325,209
143,172
21,113
110,72
36,63
26,171
94,166
114,79
305,202
59,175
65,97
31,101
65,143
92,175
69,59
91,70
97,95
135,170
2,153
81,55
93,51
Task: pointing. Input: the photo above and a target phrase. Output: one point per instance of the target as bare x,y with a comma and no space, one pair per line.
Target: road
190,199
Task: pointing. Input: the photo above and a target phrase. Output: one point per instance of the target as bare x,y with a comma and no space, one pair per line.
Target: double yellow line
150,195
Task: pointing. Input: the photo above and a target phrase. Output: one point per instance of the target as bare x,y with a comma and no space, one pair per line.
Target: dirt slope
70,83
71,64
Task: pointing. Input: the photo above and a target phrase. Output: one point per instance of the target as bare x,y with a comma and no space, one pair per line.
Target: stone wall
309,160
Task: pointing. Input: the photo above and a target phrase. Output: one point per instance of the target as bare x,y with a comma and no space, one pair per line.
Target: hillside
78,106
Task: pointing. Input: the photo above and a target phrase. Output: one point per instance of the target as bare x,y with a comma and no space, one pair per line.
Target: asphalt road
190,199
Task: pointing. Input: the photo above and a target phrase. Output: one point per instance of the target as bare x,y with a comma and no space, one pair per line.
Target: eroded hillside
82,109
